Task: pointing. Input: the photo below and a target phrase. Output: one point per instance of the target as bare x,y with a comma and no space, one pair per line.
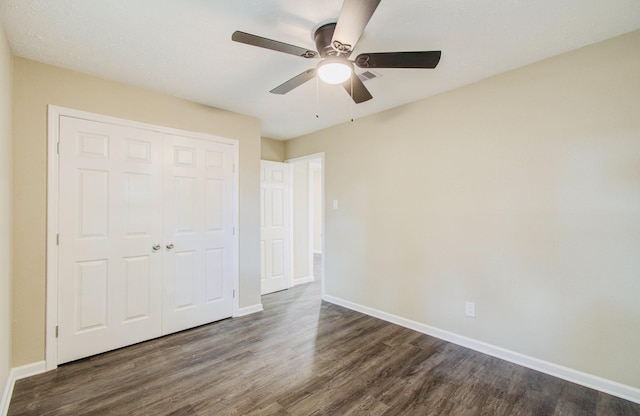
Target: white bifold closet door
275,226
145,235
198,233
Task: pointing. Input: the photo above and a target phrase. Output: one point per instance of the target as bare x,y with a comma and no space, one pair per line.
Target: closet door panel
109,276
198,225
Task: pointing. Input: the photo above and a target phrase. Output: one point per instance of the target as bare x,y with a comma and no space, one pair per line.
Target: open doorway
315,172
307,218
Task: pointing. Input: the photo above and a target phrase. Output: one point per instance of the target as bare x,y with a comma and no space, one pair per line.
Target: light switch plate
470,309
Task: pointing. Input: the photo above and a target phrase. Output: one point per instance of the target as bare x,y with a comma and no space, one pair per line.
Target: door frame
307,158
53,198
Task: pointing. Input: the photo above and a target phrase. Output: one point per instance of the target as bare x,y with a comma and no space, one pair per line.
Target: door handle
155,247
170,246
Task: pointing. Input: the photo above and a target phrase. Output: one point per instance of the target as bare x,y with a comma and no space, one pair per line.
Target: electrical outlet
470,309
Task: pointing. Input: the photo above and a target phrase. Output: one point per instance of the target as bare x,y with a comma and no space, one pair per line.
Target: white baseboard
588,380
248,310
6,396
302,280
16,374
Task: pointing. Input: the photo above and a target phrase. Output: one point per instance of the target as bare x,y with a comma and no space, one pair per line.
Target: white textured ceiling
184,47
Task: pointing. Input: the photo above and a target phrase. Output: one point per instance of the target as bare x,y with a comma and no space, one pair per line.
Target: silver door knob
169,246
155,247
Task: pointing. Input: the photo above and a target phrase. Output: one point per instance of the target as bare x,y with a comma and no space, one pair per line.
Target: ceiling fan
334,44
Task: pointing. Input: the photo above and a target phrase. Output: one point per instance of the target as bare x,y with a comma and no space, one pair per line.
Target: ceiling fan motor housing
322,37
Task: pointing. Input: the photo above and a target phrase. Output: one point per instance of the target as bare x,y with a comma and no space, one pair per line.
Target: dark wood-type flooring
302,356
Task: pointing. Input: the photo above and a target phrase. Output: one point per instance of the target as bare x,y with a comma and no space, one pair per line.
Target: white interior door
110,218
275,234
146,235
198,266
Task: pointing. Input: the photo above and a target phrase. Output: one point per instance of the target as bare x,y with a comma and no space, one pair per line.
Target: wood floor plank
302,356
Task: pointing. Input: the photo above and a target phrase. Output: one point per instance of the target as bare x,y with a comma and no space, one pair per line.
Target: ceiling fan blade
354,16
425,59
360,92
294,82
274,45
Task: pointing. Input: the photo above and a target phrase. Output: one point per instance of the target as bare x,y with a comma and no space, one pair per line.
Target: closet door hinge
58,148
234,293
234,230
56,331
57,239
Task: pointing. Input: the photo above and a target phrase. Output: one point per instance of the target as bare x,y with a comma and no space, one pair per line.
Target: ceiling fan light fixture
335,70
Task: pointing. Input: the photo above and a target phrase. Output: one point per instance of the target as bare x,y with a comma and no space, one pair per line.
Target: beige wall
520,193
37,85
272,150
5,209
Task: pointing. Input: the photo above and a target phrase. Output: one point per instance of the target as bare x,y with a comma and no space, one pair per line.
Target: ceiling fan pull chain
352,75
317,97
